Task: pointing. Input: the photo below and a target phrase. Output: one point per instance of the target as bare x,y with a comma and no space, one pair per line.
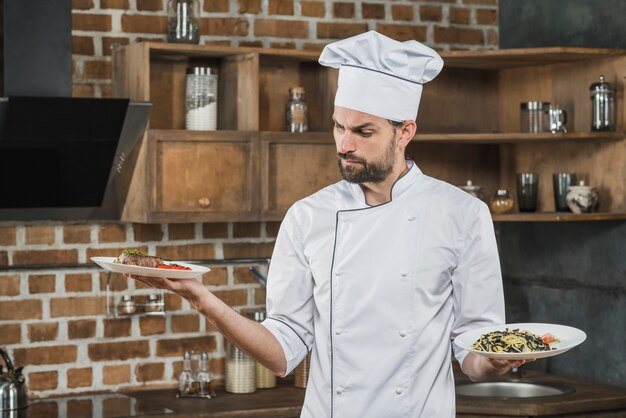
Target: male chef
377,274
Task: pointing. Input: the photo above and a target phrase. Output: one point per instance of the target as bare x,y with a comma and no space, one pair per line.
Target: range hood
61,158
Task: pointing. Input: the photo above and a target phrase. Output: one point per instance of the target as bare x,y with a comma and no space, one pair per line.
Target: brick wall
300,24
54,321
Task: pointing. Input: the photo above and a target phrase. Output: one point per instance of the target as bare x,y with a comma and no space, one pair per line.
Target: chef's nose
347,142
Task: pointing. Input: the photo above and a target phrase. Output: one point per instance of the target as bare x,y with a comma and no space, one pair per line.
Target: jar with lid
296,112
501,202
203,377
182,21
602,106
127,305
201,99
476,191
154,304
240,370
265,378
186,379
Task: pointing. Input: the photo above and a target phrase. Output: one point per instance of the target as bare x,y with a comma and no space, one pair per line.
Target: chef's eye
365,134
338,127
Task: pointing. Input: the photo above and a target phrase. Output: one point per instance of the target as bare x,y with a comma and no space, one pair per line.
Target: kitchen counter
588,400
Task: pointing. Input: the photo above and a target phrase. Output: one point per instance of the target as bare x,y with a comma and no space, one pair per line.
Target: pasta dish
513,341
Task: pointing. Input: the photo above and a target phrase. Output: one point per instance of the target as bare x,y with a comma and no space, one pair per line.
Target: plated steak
139,258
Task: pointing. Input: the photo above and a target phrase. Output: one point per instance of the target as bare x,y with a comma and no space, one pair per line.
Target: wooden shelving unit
468,128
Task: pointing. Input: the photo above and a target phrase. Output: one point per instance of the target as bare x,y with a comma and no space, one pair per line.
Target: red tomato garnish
172,267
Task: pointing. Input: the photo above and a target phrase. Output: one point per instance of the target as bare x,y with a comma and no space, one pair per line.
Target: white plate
108,264
569,337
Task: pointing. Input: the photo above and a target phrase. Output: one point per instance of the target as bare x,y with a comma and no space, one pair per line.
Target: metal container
201,99
264,377
240,370
602,106
13,393
301,374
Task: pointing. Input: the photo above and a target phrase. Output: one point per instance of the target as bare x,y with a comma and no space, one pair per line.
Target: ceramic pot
582,198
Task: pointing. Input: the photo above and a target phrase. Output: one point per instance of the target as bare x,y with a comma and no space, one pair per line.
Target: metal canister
301,374
602,106
265,378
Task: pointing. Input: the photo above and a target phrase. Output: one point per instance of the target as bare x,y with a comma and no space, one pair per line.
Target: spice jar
127,305
476,191
296,112
501,202
154,304
602,112
264,376
185,379
301,374
182,21
240,370
201,99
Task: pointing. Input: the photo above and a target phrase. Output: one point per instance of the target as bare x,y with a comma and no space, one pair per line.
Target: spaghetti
513,341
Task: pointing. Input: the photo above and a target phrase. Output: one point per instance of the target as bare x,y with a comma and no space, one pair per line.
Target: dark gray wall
571,274
585,23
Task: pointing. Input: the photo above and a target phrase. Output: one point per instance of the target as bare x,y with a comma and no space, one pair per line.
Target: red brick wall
300,24
54,321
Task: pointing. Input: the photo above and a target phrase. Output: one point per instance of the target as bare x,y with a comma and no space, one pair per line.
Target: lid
601,86
127,298
153,297
502,192
202,70
470,186
297,89
534,105
256,314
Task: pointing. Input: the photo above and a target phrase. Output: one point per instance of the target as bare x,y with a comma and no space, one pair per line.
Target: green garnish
133,252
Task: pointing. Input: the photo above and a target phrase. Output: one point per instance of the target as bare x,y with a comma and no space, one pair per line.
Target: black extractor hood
61,158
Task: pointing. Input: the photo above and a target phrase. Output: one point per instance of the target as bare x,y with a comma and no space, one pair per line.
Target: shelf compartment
516,137
558,217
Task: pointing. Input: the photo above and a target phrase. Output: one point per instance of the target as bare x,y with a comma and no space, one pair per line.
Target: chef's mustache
350,156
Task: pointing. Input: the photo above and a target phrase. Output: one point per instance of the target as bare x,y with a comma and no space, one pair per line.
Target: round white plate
569,337
108,264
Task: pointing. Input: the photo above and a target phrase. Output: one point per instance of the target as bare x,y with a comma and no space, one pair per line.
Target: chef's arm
479,368
250,336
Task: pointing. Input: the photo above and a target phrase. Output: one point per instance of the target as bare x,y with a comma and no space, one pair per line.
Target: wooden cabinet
468,128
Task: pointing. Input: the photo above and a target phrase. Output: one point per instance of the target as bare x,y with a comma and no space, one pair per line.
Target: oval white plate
108,264
569,338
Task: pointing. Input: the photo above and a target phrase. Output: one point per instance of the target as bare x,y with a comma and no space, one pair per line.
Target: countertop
286,401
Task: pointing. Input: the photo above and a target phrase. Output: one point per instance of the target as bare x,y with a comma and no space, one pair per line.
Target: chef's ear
406,132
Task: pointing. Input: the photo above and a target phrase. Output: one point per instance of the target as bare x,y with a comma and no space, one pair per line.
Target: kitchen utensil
561,183
527,185
182,21
13,391
602,111
534,117
582,198
557,118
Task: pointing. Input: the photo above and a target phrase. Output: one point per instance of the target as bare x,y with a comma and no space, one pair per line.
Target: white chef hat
381,76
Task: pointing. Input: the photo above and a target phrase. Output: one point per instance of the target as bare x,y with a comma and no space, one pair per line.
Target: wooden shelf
517,137
558,217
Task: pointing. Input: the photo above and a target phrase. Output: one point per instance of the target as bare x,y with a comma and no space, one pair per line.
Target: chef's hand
479,368
189,289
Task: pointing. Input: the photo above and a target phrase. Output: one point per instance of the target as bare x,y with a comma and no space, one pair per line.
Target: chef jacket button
340,390
338,331
411,218
339,273
404,274
399,390
402,333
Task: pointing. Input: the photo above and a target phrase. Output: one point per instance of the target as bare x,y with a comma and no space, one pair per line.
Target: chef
377,274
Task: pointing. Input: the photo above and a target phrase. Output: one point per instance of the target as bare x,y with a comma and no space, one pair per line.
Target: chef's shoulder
322,204
451,199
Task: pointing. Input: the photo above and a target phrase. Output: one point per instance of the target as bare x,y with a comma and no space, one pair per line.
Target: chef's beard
370,171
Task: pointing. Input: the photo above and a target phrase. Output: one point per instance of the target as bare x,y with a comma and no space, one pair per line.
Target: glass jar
186,379
201,99
501,202
296,112
264,377
240,370
182,21
602,112
127,305
476,191
203,377
154,304
534,117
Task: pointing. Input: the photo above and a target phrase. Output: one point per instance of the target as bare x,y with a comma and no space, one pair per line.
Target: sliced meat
137,258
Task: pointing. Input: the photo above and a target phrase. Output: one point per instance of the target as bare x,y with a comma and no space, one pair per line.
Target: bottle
602,112
185,379
201,99
296,112
203,377
182,21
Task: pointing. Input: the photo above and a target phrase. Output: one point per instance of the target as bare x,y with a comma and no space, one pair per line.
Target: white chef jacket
377,294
